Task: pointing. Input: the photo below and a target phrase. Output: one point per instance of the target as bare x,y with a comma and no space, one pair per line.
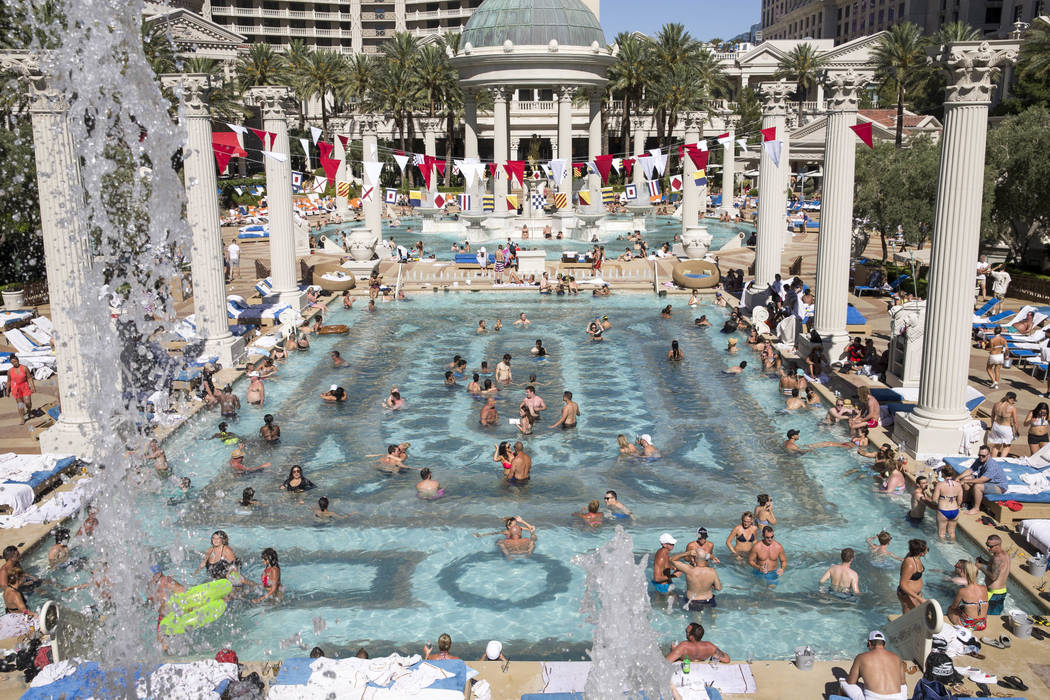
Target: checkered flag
538,200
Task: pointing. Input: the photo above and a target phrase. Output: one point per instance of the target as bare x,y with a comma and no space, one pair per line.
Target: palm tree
261,66
900,63
355,87
318,76
158,47
397,88
674,46
298,57
453,97
711,75
224,100
1034,63
678,90
802,65
954,32
628,77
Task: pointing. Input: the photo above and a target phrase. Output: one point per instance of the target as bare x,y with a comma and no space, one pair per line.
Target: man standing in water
520,466
570,411
701,582
766,555
996,572
881,670
503,373
844,579
228,403
662,575
533,402
488,415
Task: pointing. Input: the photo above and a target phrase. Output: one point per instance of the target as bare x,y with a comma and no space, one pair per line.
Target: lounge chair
979,314
260,314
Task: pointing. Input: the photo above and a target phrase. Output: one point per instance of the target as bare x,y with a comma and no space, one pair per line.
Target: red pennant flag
698,157
225,146
326,150
331,168
769,134
223,153
628,166
440,165
426,167
266,137
515,170
493,169
604,165
260,134
343,140
864,133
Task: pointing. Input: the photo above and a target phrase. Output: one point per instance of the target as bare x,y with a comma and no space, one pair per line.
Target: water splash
626,658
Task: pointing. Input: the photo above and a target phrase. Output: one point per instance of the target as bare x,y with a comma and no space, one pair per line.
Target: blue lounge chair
988,306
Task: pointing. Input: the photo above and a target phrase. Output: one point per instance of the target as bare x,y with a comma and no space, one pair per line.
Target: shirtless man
522,320
701,548
160,588
701,582
393,461
514,542
427,486
646,447
765,557
1026,325
1004,425
160,460
489,415
838,412
996,572
614,508
59,551
570,411
228,403
791,444
794,401
520,466
337,359
661,580
948,496
394,401
869,411
503,373
695,648
739,369
844,579
881,670
918,500
533,402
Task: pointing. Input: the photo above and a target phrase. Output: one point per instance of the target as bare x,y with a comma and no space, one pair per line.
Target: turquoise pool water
398,571
660,229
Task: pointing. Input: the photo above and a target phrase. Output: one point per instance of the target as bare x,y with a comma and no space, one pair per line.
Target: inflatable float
695,274
196,607
336,282
333,330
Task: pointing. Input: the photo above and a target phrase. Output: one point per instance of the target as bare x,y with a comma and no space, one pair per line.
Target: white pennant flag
280,157
306,150
647,164
557,167
743,145
659,160
702,145
402,161
773,148
241,130
617,163
546,169
372,171
316,133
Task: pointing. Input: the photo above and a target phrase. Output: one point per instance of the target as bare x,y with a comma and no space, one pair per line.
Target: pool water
659,229
398,571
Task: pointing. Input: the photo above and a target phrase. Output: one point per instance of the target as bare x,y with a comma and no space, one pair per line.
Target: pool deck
524,676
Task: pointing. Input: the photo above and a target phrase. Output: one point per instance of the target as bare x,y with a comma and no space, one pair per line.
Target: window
993,15
889,15
1017,13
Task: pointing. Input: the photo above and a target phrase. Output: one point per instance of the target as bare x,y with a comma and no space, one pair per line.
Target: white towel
52,672
189,681
565,676
728,678
15,625
18,496
1033,484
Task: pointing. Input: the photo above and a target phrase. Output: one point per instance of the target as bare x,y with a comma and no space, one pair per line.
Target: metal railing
1021,286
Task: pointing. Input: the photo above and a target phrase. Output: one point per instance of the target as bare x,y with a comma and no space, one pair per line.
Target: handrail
397,285
656,278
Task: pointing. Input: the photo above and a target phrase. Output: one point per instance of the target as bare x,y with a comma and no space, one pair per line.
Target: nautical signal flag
415,198
390,195
676,183
630,191
342,189
463,200
560,200
724,139
488,202
439,200
585,197
297,179
654,189
512,201
700,178
538,201
608,195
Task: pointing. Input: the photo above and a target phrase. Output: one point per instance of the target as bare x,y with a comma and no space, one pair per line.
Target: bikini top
1039,422
917,575
741,538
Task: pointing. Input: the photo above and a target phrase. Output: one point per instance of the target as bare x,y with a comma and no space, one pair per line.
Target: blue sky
705,19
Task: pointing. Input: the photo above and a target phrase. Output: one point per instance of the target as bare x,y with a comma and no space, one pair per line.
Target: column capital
191,89
638,124
694,121
270,99
369,124
431,125
843,88
774,96
45,99
566,93
972,66
730,120
341,125
499,93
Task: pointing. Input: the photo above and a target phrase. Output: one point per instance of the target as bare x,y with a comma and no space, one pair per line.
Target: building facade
844,20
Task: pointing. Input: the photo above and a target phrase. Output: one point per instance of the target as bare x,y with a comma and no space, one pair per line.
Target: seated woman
970,607
296,482
14,601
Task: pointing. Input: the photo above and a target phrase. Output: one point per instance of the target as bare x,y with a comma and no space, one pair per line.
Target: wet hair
391,449
322,503
476,376
456,358
448,374
767,529
444,642
884,537
424,473
917,547
362,653
592,507
15,574
223,537
622,441
317,653
291,472
227,389
745,515
794,393
488,384
268,419
222,427
743,365
847,554
674,344
567,395
610,492
506,357
863,430
531,388
396,394
247,495
484,364
269,555
763,498
694,630
970,572
61,535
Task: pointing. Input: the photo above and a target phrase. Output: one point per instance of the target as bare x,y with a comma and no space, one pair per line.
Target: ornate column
373,205
594,145
772,195
499,146
270,100
729,163
342,204
431,126
935,427
470,142
565,95
638,124
202,213
695,239
68,257
836,210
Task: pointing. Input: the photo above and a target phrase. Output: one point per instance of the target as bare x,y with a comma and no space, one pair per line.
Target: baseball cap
667,539
646,437
333,387
876,636
493,649
227,656
793,432
701,531
800,372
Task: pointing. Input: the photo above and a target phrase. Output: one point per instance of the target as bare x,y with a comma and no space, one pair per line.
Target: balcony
378,17
535,106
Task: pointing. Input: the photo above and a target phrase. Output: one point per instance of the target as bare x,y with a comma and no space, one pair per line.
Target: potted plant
13,294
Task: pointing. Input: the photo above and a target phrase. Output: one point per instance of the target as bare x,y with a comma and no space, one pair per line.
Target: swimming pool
660,229
399,571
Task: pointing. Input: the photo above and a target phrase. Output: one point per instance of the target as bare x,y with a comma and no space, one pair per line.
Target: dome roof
532,23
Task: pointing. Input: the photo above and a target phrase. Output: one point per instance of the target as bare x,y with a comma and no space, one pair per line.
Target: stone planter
13,299
361,244
696,242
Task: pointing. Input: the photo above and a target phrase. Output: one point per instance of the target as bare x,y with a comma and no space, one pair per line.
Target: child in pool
225,435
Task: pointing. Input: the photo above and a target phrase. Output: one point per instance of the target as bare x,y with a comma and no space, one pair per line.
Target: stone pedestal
936,425
772,198
836,214
907,328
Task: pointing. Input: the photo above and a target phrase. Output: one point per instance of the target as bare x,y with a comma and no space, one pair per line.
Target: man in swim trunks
160,588
645,445
844,580
791,444
1004,425
996,573
533,402
918,500
869,411
615,509
661,580
766,555
881,670
503,373
701,581
428,486
160,459
514,542
948,496
522,320
695,648
520,466
489,415
228,403
985,475
570,411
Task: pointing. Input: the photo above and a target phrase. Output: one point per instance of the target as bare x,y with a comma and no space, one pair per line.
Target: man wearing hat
494,652
662,570
881,670
334,394
645,443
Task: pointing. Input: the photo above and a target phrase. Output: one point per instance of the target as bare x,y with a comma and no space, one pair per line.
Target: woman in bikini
675,354
742,538
764,511
626,446
970,607
909,589
271,576
502,456
219,560
948,495
1037,422
14,601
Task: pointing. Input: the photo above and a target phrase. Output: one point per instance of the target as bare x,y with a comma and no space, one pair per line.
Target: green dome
532,23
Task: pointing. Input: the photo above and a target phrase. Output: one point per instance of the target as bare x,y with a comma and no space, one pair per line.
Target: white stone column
565,95
772,195
373,206
693,123
270,100
68,258
836,211
430,127
594,145
202,213
342,204
638,175
499,147
729,163
935,427
470,143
